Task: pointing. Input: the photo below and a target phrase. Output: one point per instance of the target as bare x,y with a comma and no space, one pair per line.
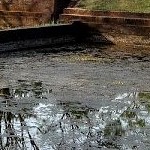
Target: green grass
116,5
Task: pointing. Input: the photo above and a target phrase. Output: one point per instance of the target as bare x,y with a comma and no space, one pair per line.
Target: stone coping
21,13
79,11
107,19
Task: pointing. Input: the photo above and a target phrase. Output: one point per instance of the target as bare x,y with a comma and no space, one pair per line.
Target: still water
74,101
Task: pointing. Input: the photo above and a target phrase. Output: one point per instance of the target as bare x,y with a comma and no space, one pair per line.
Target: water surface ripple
73,101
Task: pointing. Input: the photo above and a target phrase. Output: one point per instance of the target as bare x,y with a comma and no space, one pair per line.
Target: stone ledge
47,36
22,13
79,11
122,29
106,19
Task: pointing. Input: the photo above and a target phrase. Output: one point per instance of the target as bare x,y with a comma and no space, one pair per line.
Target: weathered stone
18,13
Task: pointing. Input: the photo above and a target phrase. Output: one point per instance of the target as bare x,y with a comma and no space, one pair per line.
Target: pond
90,99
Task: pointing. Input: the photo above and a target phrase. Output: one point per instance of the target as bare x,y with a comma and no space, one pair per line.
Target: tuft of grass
116,5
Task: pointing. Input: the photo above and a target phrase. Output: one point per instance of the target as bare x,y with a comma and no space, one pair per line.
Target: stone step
79,11
105,20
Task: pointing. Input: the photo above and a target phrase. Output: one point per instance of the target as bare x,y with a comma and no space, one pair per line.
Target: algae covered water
95,98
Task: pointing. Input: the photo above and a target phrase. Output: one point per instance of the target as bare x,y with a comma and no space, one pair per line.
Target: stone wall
118,27
13,19
19,13
27,5
50,36
31,10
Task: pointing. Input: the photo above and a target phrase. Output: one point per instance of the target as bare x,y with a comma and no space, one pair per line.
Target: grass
116,5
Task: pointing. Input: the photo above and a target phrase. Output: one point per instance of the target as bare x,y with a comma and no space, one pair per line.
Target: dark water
73,101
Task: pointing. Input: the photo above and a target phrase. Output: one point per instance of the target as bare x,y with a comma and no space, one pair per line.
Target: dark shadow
59,35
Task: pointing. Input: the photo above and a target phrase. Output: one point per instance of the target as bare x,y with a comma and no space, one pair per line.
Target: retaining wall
19,13
49,36
12,19
118,27
27,5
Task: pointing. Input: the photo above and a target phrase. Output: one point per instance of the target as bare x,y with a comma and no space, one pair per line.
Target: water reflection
16,107
31,118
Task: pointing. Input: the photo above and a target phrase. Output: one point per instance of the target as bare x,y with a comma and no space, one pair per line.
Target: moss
144,95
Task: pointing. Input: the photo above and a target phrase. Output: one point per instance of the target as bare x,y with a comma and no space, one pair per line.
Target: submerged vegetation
116,5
